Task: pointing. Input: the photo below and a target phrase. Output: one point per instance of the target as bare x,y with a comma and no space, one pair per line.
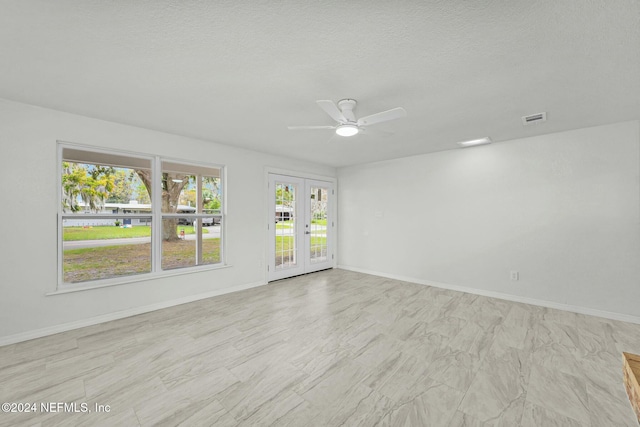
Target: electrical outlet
514,275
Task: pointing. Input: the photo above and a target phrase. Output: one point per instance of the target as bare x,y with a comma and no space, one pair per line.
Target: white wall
562,209
28,257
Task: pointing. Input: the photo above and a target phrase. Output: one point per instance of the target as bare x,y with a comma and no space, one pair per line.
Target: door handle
307,232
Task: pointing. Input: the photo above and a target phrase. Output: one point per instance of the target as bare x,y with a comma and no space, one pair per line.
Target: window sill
97,284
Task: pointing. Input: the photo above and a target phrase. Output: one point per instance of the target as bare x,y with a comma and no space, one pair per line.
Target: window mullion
156,212
60,254
198,228
223,212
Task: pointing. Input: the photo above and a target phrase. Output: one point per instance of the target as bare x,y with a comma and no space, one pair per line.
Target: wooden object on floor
631,371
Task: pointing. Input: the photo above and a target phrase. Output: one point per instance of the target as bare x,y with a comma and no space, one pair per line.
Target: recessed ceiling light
347,130
474,142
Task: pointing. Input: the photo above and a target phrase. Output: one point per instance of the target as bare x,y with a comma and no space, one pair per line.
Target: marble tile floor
329,349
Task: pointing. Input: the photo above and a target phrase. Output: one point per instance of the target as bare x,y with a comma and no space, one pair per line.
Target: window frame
156,216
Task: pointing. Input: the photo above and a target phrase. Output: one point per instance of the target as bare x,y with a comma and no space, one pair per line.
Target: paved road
213,233
316,230
79,244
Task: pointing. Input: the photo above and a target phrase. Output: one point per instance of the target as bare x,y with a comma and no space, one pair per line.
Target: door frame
333,246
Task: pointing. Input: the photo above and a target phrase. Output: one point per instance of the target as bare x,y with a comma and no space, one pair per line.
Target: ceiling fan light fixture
474,142
347,130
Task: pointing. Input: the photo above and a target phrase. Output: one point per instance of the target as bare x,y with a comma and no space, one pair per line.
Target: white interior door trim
268,216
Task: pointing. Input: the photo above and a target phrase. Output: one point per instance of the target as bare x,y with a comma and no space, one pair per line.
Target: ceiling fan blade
333,138
384,116
376,132
332,110
310,127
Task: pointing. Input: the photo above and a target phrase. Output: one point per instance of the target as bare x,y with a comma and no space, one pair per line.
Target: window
188,193
113,226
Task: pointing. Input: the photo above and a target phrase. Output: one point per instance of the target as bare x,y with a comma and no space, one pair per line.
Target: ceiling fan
347,124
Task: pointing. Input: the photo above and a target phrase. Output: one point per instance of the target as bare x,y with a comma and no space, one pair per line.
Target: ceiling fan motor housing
347,106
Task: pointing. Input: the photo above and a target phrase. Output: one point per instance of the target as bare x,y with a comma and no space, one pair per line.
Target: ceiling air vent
534,118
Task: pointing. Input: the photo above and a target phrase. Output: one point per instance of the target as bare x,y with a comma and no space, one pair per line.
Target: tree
211,193
213,203
172,185
283,195
142,195
188,197
89,183
122,191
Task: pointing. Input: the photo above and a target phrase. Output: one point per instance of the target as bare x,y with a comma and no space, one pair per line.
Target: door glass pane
318,215
286,217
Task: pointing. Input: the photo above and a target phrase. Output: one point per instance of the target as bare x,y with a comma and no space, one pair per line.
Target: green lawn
285,243
112,232
80,265
289,225
284,248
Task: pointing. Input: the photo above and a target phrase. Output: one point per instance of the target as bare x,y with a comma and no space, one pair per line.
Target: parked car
185,221
283,213
214,219
208,222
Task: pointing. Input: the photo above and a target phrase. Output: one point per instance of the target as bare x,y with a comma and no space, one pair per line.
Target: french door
301,226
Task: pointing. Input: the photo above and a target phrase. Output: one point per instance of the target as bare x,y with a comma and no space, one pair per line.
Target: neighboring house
283,213
133,207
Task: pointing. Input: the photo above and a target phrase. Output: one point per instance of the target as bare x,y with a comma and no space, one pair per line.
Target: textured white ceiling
239,72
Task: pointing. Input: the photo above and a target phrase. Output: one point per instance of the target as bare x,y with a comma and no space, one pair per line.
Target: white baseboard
25,336
29,335
516,298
